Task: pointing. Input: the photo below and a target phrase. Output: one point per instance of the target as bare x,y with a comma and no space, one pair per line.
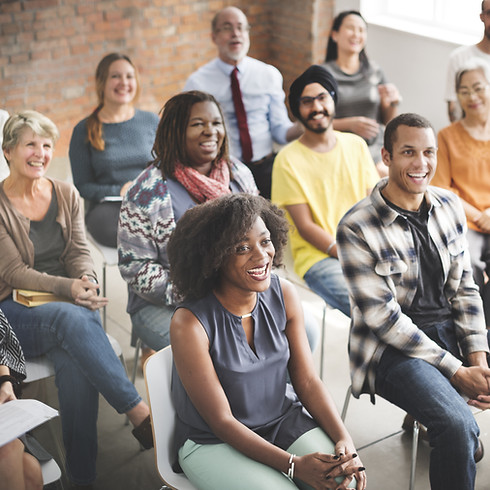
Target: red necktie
241,117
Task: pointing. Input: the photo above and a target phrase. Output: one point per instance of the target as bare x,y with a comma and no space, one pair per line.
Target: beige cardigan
17,250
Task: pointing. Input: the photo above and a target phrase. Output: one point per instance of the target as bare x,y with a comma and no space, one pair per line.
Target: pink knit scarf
205,187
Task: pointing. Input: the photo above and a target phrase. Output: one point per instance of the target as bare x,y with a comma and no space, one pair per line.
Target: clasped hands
85,293
474,382
389,95
321,470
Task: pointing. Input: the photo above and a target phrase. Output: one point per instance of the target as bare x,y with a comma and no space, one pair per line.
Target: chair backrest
158,375
38,368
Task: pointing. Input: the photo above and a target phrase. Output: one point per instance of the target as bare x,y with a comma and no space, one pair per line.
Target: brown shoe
146,352
407,426
144,433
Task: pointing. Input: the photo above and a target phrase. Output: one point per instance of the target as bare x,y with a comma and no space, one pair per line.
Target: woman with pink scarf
191,166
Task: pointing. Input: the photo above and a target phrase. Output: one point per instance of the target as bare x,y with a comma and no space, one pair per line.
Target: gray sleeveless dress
255,383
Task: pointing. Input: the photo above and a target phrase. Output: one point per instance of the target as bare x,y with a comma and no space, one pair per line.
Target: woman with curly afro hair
235,338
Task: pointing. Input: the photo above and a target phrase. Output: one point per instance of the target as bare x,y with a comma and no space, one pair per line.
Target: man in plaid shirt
418,335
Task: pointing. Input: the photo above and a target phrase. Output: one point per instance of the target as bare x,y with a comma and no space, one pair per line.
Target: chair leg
104,290
415,443
346,403
322,347
136,359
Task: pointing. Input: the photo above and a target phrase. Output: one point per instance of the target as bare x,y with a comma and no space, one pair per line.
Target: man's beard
317,129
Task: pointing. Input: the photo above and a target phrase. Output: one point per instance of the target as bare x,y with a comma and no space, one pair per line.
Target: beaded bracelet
291,466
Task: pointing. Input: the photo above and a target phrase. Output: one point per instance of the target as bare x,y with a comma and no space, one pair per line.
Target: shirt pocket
392,271
391,266
457,264
456,247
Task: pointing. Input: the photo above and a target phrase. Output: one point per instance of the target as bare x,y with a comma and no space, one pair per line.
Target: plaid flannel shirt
376,250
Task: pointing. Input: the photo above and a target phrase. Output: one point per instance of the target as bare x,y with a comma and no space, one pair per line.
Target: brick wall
49,49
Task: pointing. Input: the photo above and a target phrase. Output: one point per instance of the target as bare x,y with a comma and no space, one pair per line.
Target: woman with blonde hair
112,146
44,249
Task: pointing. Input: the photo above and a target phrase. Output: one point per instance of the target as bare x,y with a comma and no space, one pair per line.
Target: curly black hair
209,233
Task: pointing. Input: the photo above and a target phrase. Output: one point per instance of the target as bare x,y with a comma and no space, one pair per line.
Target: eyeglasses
465,93
230,29
309,101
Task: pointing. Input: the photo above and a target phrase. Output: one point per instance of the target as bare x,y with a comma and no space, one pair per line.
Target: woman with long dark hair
366,101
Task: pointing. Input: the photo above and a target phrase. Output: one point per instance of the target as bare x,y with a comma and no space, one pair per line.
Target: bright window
451,20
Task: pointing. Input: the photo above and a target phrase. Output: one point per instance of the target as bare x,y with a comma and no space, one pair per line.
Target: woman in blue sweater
112,146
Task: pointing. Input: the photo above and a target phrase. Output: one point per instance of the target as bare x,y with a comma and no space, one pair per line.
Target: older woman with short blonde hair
44,248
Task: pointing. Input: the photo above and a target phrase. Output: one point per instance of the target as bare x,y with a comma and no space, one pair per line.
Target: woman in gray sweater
112,146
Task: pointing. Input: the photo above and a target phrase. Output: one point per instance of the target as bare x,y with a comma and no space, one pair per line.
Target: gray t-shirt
47,237
358,96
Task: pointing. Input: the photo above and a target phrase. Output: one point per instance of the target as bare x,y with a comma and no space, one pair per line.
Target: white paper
20,416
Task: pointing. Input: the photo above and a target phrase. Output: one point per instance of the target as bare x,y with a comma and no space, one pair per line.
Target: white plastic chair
38,369
51,472
158,375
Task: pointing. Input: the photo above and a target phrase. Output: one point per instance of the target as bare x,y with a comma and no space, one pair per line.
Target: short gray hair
471,65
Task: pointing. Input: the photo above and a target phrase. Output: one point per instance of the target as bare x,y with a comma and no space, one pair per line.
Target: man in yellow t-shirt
317,179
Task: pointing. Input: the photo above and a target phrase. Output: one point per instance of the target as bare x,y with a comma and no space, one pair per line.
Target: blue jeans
424,392
85,365
152,325
326,279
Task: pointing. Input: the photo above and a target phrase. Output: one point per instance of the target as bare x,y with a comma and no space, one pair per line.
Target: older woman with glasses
464,166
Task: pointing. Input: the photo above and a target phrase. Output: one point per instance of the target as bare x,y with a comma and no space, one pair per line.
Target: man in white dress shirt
261,92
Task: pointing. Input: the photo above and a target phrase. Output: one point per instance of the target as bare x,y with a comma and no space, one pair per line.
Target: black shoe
144,433
479,452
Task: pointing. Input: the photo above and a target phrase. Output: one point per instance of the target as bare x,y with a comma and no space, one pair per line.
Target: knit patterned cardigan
146,222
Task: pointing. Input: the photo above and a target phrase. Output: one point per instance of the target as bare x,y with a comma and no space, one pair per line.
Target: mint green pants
212,466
